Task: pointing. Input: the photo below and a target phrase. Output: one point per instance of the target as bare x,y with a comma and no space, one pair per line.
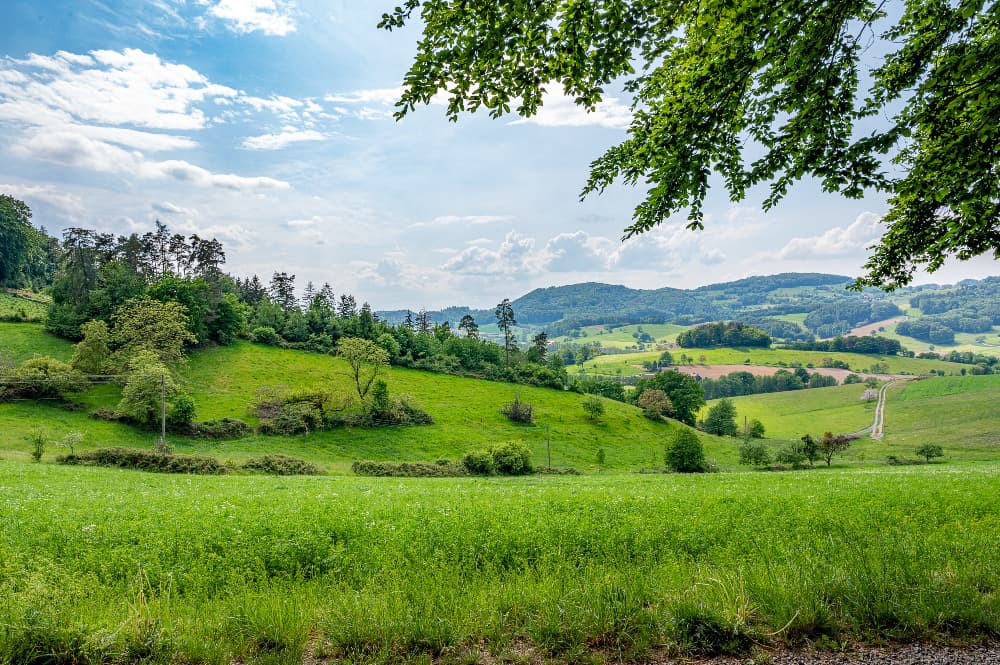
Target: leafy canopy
761,93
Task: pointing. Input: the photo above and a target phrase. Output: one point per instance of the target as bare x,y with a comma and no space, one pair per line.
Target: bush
512,458
265,335
756,429
478,462
754,453
224,428
148,460
293,418
594,407
929,451
181,413
792,454
685,453
408,469
37,441
557,471
518,411
281,465
40,378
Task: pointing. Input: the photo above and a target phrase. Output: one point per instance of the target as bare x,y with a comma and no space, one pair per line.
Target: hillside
223,381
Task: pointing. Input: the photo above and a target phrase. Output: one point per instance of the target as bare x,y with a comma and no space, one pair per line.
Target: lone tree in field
721,418
685,454
505,321
895,97
366,358
594,406
833,444
929,451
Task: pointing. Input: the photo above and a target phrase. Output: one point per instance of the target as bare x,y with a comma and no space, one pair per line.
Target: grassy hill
22,305
631,363
20,341
467,415
621,337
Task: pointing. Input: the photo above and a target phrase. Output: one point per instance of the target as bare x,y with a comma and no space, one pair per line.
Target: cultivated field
103,565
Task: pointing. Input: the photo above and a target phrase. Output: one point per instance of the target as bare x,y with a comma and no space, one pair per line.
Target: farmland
217,570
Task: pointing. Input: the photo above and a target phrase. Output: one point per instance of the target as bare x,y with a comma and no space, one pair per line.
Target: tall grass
98,565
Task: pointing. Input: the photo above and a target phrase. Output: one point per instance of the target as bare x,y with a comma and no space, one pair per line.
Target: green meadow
102,565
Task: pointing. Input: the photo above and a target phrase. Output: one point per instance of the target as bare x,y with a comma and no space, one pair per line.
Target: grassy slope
963,342
250,569
627,362
789,415
14,303
621,337
958,413
20,341
466,412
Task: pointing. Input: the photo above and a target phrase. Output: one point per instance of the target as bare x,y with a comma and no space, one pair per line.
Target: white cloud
287,137
577,252
168,208
561,111
271,17
838,241
513,256
373,96
195,175
53,196
465,220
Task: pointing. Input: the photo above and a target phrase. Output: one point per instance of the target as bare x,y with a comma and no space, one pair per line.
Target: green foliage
731,333
379,403
366,358
149,460
793,454
685,453
685,394
265,335
281,465
181,413
92,355
223,428
518,411
16,237
594,407
655,404
755,429
478,462
721,419
145,324
410,469
706,79
40,378
602,457
38,441
148,384
929,451
512,458
754,453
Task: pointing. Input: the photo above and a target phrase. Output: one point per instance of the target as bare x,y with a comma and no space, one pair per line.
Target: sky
268,125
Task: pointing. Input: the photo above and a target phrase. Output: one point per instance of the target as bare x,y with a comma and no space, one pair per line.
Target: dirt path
908,654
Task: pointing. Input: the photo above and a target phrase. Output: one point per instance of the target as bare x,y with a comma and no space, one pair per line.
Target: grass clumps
281,465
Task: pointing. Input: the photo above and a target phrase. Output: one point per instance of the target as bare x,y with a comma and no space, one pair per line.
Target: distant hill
595,302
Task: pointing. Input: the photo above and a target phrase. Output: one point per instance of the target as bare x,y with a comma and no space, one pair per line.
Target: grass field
20,341
789,415
958,413
104,565
26,305
963,342
630,364
621,337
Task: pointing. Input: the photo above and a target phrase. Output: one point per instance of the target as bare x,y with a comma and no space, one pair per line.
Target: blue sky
267,124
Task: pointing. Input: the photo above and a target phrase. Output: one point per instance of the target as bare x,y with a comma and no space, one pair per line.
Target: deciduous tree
366,359
758,93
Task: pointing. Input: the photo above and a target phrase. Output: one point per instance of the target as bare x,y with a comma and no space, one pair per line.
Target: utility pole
163,412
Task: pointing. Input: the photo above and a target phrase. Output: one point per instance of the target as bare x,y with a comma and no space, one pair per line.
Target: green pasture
963,342
23,305
630,364
620,337
20,341
104,565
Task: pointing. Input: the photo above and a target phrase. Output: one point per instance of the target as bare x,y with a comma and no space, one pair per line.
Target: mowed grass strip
101,564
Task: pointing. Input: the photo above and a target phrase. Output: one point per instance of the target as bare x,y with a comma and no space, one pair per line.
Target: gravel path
908,654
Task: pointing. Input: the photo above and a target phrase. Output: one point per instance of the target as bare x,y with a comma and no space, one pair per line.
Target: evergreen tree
348,307
282,291
469,325
506,322
423,322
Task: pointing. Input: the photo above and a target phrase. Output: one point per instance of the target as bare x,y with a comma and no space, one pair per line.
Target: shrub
792,454
294,418
37,441
512,458
281,465
754,453
408,469
181,413
685,453
224,428
40,378
557,471
148,460
478,462
594,407
518,411
929,451
756,429
265,335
